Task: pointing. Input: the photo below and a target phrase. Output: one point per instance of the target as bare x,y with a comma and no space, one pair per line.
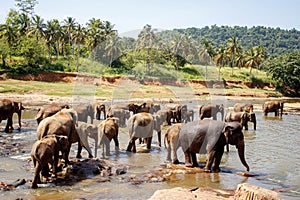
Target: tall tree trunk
78,54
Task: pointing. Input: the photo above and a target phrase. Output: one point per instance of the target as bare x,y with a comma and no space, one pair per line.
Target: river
272,152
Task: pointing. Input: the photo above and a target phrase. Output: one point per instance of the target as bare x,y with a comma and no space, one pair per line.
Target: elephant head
98,109
253,119
234,136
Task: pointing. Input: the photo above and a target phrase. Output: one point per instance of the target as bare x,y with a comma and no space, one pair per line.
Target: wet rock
179,193
245,191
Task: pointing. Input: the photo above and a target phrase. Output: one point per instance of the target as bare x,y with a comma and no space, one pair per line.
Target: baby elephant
108,130
46,151
171,142
84,131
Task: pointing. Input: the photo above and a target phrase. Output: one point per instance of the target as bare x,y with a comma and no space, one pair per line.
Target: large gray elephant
46,151
108,130
242,117
140,125
7,109
243,107
171,142
210,136
63,123
84,131
84,111
210,110
49,110
273,106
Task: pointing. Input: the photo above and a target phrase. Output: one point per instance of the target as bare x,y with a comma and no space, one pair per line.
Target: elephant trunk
241,151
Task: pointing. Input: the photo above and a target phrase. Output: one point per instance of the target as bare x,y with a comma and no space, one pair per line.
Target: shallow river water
272,152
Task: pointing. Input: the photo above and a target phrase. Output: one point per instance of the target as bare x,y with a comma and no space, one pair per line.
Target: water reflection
272,151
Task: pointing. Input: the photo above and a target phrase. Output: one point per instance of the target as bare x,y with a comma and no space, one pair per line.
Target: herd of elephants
60,125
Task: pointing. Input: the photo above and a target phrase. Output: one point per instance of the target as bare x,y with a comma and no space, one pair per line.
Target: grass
129,90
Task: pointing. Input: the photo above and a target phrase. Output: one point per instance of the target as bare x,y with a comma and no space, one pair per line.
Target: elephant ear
214,131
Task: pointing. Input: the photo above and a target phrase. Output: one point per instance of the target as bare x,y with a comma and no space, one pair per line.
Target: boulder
246,191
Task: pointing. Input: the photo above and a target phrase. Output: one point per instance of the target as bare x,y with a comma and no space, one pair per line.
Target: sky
130,15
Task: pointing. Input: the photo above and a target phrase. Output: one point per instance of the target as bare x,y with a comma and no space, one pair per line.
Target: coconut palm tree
233,48
53,35
79,38
23,23
69,26
113,48
8,33
147,40
221,58
37,28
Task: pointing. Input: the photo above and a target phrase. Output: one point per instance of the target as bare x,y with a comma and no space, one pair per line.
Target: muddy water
272,152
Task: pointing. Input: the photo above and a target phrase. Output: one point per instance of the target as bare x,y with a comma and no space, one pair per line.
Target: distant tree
221,58
113,48
233,49
26,6
285,71
37,28
79,38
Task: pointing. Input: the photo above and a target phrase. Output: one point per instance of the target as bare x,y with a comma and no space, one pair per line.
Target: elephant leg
168,158
107,146
79,150
116,143
8,125
173,149
209,162
96,146
37,178
246,126
187,156
194,159
131,145
159,138
149,140
217,160
55,164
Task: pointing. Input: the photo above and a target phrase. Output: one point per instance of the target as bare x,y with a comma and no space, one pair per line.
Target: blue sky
134,14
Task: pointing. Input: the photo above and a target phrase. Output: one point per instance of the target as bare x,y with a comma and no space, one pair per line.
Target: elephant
273,106
210,136
63,123
130,106
243,107
49,110
108,130
100,108
210,110
121,114
242,117
46,151
84,111
158,122
171,142
188,116
140,125
7,109
176,112
84,131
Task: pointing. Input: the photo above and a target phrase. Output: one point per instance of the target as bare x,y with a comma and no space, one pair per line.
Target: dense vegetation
28,44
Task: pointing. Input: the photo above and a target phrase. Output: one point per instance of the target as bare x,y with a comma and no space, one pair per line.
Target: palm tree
23,23
53,36
37,28
254,57
113,48
8,32
95,34
69,26
221,58
177,46
79,37
207,53
233,48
